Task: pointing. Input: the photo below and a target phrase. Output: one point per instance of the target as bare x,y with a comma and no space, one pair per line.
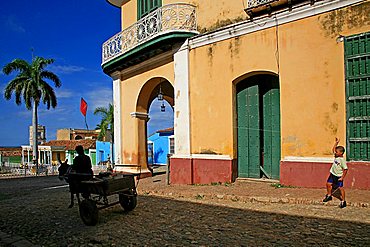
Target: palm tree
30,85
107,122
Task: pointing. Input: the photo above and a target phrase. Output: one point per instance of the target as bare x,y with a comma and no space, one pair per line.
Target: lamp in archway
163,107
160,94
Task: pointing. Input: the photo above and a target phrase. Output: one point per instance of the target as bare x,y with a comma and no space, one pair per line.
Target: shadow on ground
42,217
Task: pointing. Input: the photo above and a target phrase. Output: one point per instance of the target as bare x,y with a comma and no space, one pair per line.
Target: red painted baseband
294,173
314,175
202,171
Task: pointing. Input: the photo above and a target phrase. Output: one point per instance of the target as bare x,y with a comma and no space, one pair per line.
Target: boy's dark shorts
334,180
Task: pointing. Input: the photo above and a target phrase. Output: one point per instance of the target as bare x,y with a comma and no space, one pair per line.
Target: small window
144,7
150,152
171,150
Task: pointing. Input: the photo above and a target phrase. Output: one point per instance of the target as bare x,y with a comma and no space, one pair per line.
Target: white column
22,156
45,160
182,103
28,158
116,76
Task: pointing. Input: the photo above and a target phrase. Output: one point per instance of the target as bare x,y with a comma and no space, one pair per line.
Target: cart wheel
89,212
128,201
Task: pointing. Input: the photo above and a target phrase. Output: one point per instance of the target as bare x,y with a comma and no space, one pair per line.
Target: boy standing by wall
337,173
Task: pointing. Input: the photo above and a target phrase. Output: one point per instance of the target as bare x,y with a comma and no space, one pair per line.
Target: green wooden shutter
357,59
271,130
144,7
248,132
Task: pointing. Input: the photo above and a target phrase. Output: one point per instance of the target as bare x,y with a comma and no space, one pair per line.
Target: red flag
83,107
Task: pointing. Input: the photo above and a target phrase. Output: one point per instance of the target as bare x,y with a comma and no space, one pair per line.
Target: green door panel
271,130
242,135
248,132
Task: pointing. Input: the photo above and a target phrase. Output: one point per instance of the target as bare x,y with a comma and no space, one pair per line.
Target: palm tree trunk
35,151
111,150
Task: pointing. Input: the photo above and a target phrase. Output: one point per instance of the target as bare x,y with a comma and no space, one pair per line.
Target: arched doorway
157,100
258,126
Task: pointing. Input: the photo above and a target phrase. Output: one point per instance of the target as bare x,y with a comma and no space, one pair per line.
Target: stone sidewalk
249,190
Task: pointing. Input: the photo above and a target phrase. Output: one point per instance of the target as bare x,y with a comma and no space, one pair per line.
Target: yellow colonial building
259,88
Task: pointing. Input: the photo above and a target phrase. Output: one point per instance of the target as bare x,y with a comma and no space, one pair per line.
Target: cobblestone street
34,211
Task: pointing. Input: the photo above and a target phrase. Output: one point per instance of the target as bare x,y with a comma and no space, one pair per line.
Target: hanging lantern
160,94
163,107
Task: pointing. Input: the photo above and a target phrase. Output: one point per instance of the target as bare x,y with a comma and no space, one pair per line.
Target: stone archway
148,93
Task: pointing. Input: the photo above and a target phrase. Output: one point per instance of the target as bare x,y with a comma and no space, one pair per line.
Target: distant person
82,165
338,171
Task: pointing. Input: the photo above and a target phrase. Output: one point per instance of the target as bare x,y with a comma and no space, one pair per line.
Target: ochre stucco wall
128,14
213,69
312,83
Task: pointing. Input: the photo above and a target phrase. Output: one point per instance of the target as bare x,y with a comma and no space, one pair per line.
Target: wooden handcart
96,192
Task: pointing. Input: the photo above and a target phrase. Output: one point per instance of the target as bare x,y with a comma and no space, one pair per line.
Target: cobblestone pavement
34,212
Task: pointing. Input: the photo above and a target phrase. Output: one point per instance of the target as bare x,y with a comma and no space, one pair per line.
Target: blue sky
72,33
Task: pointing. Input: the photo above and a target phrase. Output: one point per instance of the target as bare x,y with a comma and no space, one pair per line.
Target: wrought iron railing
256,3
166,19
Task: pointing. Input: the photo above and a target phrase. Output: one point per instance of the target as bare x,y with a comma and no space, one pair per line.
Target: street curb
245,199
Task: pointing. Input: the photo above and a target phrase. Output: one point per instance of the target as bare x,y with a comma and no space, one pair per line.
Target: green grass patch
227,184
199,197
278,186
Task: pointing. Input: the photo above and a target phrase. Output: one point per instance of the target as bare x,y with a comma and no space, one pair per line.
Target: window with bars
171,140
150,152
357,59
144,7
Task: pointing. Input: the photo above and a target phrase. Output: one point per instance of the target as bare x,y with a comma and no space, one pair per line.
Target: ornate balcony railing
167,19
256,3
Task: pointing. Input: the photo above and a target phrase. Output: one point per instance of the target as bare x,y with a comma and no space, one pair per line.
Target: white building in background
41,134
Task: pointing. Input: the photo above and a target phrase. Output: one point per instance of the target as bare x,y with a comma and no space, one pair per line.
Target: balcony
261,7
257,3
165,25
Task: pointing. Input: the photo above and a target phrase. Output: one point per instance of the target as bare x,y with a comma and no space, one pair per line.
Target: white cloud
24,113
12,23
65,69
99,97
63,93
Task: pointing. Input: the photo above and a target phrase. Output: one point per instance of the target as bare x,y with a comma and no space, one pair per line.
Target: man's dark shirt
82,164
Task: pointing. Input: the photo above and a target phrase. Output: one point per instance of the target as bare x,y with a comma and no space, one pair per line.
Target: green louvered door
258,122
248,132
271,129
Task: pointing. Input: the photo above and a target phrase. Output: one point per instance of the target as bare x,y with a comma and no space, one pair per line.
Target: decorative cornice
115,75
140,115
261,23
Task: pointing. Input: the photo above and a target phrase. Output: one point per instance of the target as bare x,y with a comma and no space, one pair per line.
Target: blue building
160,144
103,152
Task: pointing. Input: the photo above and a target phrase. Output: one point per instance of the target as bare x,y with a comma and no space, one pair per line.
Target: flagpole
87,127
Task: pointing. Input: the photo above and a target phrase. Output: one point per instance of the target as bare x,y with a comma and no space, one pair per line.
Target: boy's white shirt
339,165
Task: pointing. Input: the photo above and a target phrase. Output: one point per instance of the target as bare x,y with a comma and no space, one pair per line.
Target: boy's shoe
343,204
327,198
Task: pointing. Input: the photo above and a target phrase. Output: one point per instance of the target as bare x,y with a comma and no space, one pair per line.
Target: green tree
107,121
30,85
